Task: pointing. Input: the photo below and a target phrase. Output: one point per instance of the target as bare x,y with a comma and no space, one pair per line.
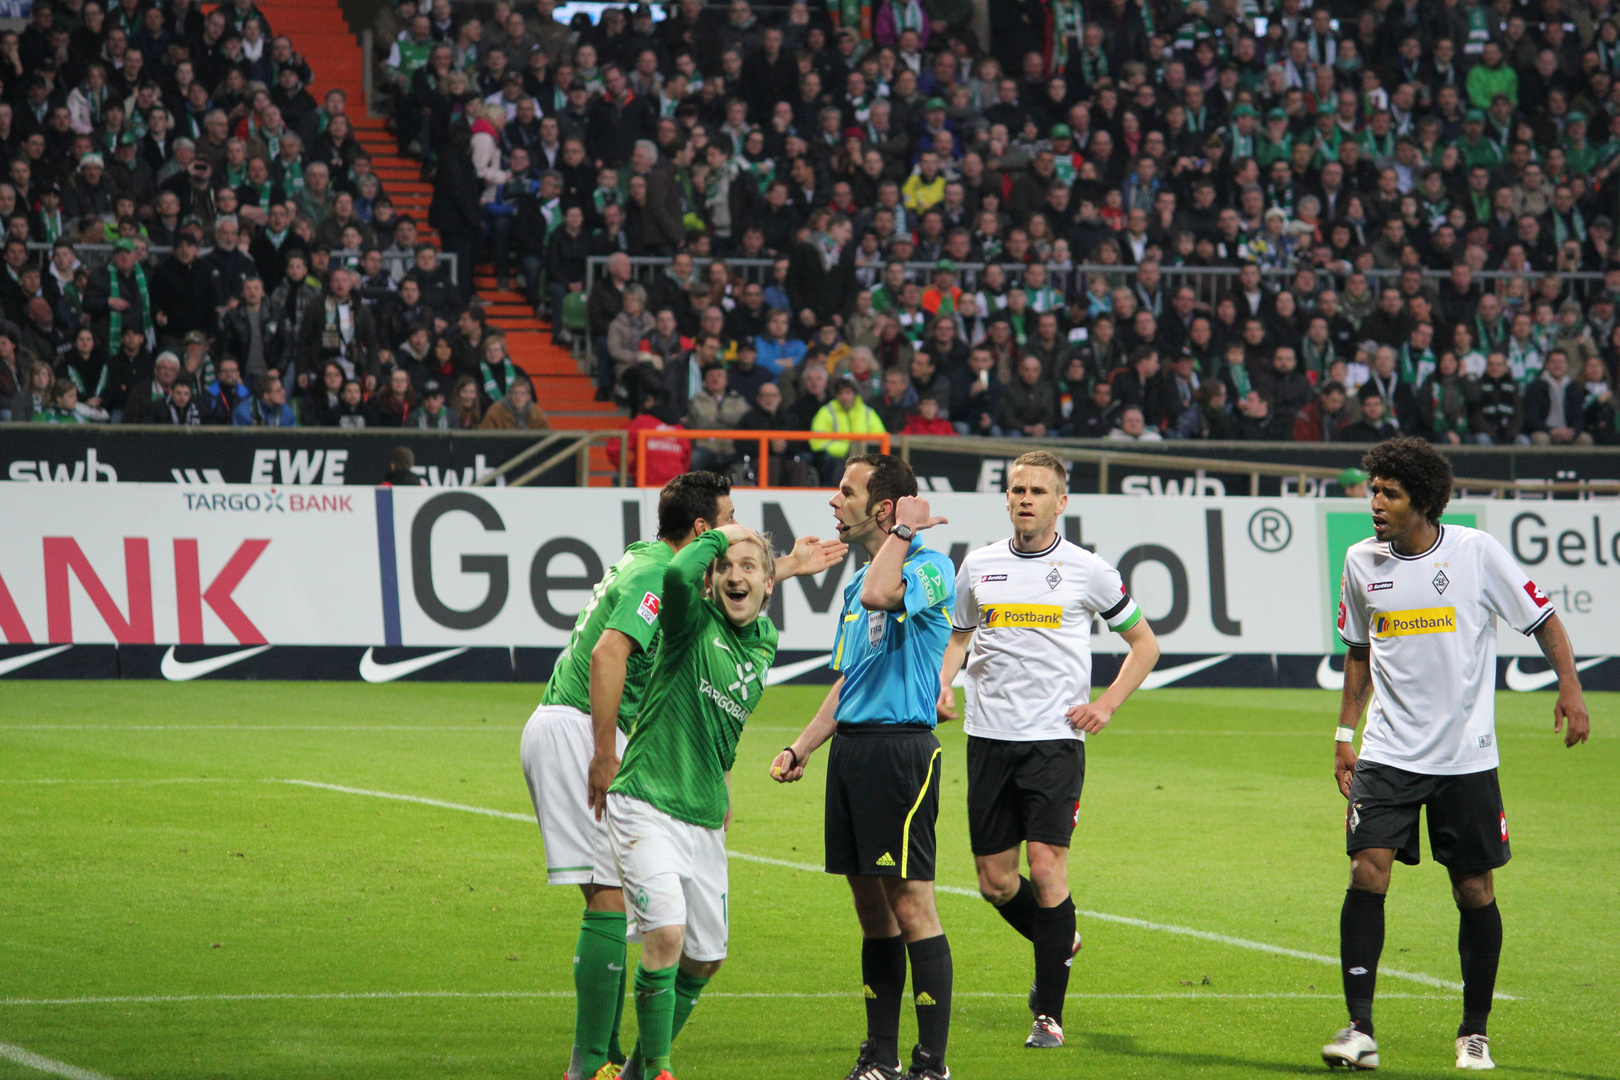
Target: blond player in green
668,808
572,744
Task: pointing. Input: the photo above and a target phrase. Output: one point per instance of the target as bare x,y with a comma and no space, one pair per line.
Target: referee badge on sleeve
876,623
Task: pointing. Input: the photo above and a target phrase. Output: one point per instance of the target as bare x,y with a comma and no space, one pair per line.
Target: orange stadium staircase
320,32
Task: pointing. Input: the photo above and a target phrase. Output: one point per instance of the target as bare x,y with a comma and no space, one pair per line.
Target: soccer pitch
174,904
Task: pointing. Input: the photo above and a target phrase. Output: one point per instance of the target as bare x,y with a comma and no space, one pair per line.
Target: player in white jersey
1419,608
1024,607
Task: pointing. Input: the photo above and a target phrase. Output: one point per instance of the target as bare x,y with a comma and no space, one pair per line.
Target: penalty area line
531,995
954,890
47,1065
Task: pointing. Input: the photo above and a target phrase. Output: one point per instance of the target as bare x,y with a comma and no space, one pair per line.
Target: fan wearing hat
117,298
1275,143
944,295
1242,135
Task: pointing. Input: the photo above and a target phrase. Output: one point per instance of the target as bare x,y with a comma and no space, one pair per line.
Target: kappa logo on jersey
648,609
1536,594
1439,620
1023,617
1379,586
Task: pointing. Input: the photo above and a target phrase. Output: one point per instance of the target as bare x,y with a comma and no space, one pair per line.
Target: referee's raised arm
885,587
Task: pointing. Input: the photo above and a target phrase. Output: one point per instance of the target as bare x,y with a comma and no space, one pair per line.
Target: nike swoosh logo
372,671
184,671
792,671
1162,677
615,967
13,663
1326,677
1524,681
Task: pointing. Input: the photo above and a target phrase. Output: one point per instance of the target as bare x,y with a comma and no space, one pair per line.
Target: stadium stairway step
562,388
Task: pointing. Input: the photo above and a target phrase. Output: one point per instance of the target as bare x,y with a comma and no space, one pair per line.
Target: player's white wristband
1344,734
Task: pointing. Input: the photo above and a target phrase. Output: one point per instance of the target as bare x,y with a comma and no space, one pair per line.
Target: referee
883,772
1419,607
1024,607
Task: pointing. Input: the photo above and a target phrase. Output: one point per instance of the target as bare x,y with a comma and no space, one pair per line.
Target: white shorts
557,749
674,874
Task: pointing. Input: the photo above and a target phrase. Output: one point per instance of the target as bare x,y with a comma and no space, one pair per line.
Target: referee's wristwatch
904,532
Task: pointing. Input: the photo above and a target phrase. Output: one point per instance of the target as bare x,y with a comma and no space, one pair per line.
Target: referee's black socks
1054,948
931,990
1020,910
1361,941
1479,944
883,975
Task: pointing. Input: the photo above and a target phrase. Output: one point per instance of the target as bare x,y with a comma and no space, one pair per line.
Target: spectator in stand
1133,427
1501,404
147,395
1323,418
1375,424
667,458
1554,405
267,407
625,334
788,463
898,402
927,419
845,415
1257,421
468,405
516,410
177,409
715,407
393,405
746,377
1096,417
1029,404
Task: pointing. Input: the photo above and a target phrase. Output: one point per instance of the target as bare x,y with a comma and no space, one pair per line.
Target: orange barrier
764,437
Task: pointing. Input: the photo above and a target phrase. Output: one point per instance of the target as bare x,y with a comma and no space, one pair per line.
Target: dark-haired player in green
572,743
667,810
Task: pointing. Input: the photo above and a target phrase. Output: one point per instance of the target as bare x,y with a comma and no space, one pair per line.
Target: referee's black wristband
795,764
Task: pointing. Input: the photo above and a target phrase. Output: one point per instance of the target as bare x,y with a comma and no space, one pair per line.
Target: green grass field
170,908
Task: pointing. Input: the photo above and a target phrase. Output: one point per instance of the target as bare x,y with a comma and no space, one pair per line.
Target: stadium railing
1208,283
764,438
100,253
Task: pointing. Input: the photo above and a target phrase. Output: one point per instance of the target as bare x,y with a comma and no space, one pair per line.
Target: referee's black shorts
1467,825
1020,791
883,800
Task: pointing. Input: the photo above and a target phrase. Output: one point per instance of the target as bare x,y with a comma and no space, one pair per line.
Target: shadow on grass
1125,1046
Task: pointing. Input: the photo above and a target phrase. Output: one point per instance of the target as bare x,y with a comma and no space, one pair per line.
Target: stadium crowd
1125,220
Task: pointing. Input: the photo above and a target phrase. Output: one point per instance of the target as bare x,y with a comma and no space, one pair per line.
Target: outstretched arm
789,764
810,555
1357,690
1571,706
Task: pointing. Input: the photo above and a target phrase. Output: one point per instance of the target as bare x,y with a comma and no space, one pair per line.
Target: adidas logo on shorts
886,859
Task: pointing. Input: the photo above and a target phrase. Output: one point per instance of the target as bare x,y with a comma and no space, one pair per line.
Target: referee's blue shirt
890,660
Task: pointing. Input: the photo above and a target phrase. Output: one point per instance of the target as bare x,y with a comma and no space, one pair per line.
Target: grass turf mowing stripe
47,1065
955,890
530,995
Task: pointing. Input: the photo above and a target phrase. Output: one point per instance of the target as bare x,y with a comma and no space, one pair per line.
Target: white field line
45,1064
530,995
1123,920
258,727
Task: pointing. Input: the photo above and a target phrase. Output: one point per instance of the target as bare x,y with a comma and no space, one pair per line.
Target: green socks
598,987
687,989
655,1016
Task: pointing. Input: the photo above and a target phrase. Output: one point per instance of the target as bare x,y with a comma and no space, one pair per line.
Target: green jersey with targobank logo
708,678
627,599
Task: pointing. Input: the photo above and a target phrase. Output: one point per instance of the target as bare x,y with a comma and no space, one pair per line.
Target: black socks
1361,940
883,974
931,990
1020,910
1054,948
1479,945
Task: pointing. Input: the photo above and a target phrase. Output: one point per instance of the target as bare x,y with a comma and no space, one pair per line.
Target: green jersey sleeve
682,614
635,614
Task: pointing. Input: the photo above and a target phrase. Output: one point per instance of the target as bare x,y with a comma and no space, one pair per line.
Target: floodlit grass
168,870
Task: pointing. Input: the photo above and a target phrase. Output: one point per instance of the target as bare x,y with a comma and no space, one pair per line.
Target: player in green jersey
668,808
572,743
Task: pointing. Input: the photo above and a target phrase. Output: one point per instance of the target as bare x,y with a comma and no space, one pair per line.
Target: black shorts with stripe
883,800
1020,791
1467,824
